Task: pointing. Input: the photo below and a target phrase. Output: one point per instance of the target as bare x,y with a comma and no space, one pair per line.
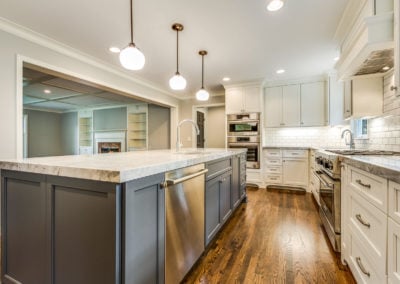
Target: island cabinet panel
25,246
212,209
143,230
60,230
225,207
236,192
85,231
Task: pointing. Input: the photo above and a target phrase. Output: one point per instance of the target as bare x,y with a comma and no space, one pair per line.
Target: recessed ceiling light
275,5
226,79
114,49
385,68
47,91
280,71
336,58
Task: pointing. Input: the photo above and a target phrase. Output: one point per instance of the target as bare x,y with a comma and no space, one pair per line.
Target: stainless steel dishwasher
184,230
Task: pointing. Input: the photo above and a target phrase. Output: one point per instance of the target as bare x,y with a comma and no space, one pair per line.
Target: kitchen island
101,218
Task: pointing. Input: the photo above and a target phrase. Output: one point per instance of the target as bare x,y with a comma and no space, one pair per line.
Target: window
359,127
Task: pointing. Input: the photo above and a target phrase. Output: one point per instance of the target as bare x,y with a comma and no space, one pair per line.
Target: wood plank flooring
274,238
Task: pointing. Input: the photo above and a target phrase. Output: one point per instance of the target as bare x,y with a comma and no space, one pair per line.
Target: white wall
49,54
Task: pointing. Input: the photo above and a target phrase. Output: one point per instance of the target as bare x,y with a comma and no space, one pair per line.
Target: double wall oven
244,132
328,171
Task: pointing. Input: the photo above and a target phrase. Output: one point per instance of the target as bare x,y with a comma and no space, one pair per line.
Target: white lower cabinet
287,167
370,226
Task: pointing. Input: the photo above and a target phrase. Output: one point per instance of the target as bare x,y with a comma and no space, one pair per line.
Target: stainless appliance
244,132
252,144
328,171
184,210
245,124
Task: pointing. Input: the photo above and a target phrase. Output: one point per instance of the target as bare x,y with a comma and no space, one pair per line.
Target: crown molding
47,42
256,82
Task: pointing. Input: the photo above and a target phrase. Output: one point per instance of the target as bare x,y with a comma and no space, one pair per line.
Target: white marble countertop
117,167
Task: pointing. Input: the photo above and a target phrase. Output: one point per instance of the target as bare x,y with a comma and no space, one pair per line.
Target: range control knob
330,165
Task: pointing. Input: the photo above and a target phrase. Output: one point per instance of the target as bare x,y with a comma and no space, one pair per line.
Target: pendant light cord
177,52
131,22
202,71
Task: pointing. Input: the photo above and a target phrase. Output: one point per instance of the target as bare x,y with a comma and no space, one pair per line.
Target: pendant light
177,82
275,5
131,57
202,94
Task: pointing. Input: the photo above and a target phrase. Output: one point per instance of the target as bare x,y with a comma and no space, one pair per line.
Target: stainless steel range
328,171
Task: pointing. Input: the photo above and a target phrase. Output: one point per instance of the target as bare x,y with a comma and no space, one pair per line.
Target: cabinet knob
301,122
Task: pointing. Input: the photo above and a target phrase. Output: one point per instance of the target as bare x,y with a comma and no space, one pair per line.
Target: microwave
244,124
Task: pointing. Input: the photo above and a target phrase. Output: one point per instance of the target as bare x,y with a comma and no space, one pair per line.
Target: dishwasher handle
170,182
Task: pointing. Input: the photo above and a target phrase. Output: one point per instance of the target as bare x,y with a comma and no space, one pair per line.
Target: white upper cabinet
363,97
242,99
396,87
273,107
295,105
291,105
313,104
336,96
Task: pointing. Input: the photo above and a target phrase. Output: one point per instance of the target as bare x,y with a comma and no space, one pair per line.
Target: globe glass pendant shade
177,82
202,95
131,58
275,5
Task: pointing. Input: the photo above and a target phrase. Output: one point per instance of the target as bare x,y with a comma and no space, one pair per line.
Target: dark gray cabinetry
64,230
143,238
218,196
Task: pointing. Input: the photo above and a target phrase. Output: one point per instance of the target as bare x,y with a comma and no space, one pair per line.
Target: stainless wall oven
252,144
328,173
247,124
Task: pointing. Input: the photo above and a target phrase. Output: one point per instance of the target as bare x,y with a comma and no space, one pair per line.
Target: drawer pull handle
363,184
361,266
360,219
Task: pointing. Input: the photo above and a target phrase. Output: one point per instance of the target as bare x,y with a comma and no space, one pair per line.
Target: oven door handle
244,121
245,145
320,175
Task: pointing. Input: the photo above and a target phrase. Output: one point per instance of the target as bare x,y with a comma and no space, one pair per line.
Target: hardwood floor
274,238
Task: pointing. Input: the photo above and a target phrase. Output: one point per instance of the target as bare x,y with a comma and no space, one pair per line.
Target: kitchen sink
363,152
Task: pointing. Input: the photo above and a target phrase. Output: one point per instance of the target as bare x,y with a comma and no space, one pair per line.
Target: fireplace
110,141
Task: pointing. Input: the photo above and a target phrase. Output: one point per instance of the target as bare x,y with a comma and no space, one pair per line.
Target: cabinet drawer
272,153
295,153
273,169
394,201
271,178
372,187
362,265
217,167
369,224
393,251
273,162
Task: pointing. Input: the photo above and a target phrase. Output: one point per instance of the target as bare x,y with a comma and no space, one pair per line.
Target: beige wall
159,127
215,134
187,111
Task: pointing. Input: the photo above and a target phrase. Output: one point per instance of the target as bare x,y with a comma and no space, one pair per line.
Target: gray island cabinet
103,221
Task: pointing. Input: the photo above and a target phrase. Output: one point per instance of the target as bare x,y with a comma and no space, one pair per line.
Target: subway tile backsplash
384,131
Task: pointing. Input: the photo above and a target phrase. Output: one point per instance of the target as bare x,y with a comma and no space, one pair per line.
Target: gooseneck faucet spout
351,142
178,142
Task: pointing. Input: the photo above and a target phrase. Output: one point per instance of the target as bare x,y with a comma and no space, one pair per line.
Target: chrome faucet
351,143
178,143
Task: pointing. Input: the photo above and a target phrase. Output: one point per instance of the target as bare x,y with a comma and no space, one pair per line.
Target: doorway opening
211,120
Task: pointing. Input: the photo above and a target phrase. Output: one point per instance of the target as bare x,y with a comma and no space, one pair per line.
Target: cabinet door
347,107
234,100
336,93
397,48
235,189
251,99
313,104
291,105
225,208
273,107
295,172
393,251
212,209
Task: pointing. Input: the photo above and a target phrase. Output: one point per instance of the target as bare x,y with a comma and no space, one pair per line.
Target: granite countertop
386,166
117,167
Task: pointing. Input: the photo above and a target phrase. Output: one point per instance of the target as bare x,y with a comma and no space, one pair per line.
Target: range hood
368,47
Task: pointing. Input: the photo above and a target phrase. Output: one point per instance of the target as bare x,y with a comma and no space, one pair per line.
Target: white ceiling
245,41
